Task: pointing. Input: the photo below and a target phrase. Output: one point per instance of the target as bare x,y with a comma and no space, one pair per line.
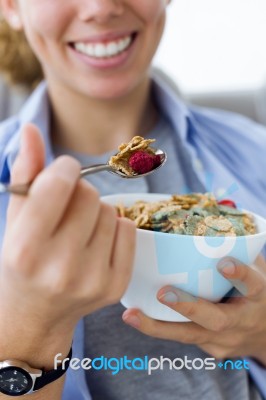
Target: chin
110,89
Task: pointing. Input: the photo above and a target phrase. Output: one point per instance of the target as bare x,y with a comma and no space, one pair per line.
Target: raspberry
227,202
142,162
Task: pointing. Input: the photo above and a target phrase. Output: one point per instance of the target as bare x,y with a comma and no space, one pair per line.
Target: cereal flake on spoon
135,157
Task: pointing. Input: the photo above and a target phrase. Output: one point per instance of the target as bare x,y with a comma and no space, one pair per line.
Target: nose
101,10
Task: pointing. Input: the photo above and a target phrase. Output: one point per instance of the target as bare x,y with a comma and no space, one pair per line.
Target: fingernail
132,320
169,297
226,267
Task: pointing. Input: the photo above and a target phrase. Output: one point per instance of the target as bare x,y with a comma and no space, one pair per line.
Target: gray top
106,334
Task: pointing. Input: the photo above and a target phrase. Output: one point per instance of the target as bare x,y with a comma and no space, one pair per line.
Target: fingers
245,279
186,332
110,257
219,317
209,315
80,218
28,164
220,328
102,240
123,255
260,264
47,200
125,241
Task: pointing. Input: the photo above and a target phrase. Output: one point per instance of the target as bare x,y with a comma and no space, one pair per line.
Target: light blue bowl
187,262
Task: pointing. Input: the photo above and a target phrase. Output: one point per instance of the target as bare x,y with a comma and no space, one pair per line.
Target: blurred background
213,51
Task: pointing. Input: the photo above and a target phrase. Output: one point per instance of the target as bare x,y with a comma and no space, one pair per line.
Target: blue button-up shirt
228,153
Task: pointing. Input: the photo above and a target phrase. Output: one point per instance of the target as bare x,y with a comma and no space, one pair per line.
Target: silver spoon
93,169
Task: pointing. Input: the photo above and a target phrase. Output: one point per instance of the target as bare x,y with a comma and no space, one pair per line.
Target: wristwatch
17,378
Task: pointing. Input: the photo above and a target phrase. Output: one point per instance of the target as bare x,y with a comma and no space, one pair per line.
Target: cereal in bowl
191,214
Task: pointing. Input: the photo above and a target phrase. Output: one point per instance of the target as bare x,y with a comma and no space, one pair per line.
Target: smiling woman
73,257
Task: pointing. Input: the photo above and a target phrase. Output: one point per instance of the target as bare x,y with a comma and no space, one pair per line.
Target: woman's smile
105,51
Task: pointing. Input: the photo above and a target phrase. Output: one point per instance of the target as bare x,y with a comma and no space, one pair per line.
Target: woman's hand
224,330
65,253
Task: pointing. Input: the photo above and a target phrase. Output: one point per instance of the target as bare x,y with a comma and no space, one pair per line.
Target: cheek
45,18
150,11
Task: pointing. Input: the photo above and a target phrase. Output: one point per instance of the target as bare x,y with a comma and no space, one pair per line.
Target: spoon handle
15,189
24,188
93,169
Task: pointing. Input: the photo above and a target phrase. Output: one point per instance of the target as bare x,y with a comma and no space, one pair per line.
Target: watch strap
53,375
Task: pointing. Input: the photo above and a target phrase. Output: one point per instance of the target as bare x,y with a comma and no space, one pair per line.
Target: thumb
31,156
28,164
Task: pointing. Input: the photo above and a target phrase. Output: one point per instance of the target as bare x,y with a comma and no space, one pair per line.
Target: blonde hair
18,63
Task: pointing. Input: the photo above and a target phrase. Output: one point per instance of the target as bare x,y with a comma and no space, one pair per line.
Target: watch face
14,381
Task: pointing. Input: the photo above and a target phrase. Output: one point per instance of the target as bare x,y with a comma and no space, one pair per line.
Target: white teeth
101,50
121,45
80,46
127,40
111,49
88,49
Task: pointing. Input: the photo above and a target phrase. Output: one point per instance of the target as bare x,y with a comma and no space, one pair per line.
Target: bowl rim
255,235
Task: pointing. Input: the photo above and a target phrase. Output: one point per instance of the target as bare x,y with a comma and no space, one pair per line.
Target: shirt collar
37,111
167,97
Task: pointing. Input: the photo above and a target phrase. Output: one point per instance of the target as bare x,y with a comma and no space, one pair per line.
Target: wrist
36,347
20,378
